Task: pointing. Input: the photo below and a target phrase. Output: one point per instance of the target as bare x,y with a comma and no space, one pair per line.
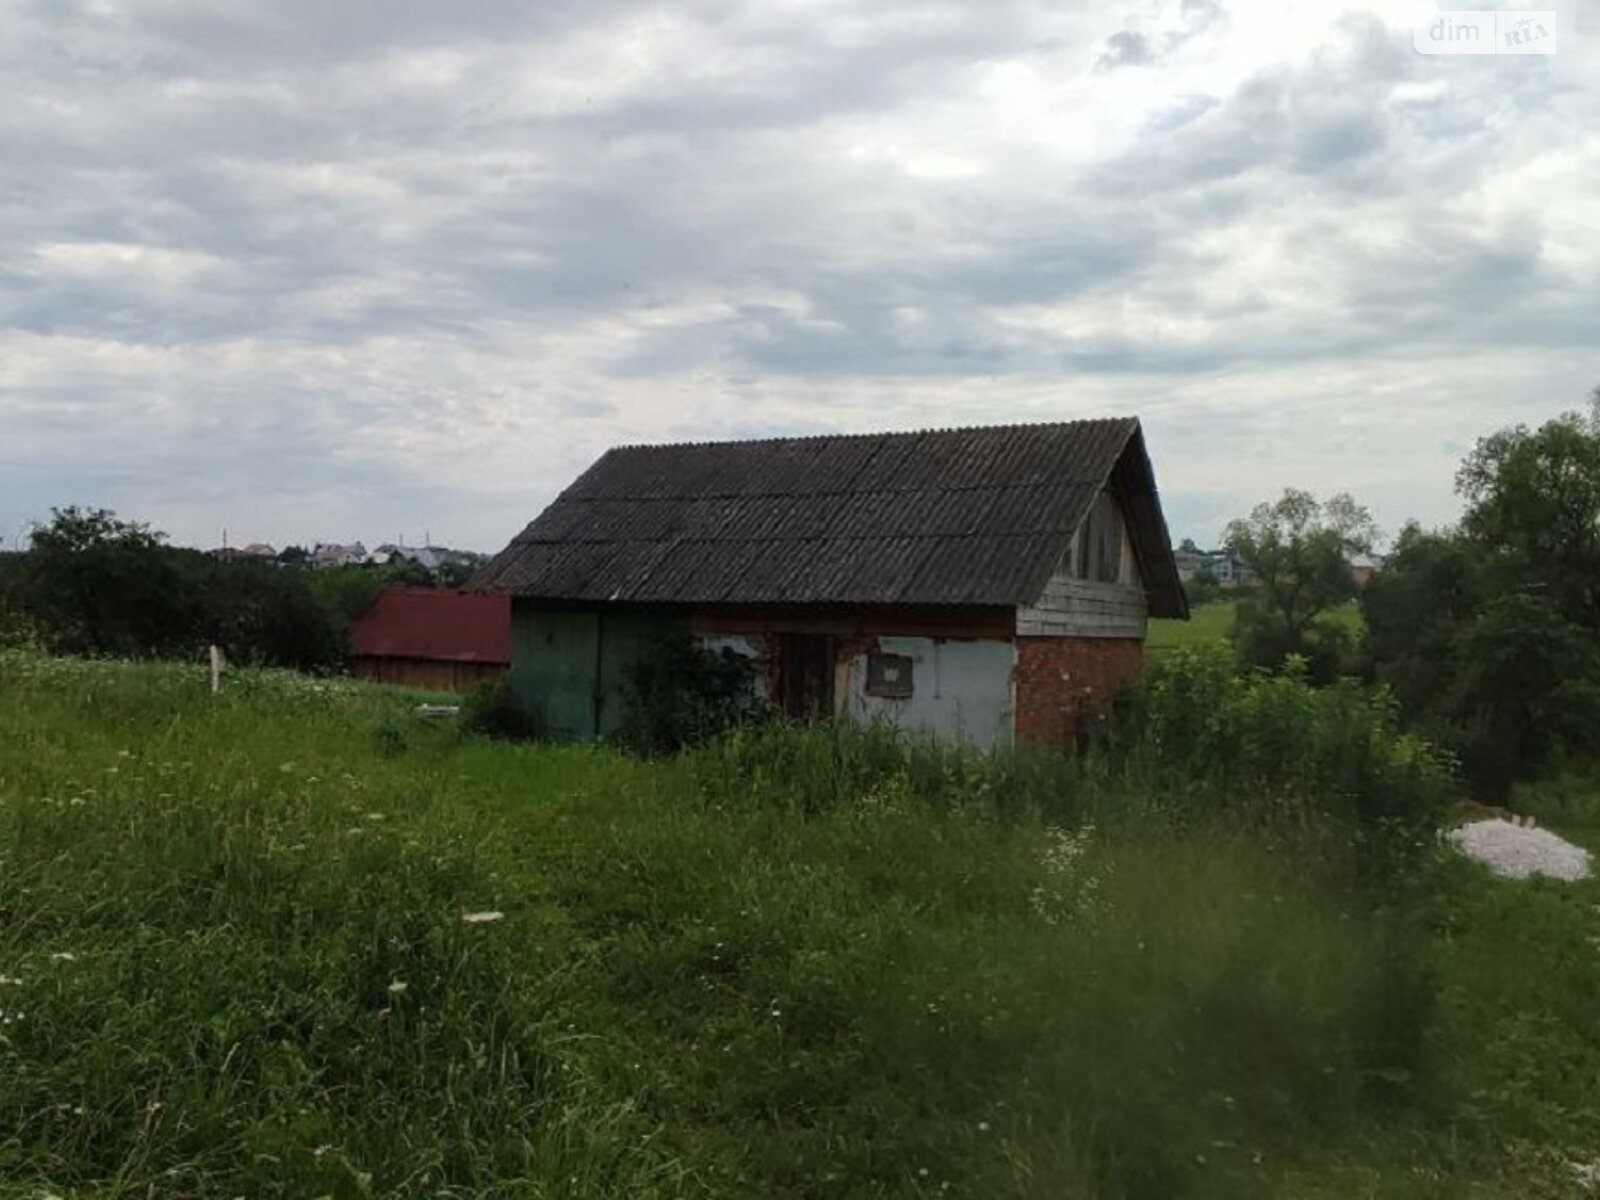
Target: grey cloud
374,278
1125,48
1133,48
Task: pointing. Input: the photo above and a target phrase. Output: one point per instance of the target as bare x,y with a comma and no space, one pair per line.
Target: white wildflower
63,956
397,987
482,918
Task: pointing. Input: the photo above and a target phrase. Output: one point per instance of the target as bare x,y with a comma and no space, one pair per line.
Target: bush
678,694
492,710
832,765
98,586
1324,646
1280,746
1483,663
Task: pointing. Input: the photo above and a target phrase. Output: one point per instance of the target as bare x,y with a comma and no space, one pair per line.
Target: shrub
492,710
95,585
1280,748
678,693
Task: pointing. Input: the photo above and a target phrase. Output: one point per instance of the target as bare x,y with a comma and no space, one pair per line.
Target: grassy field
1209,624
290,942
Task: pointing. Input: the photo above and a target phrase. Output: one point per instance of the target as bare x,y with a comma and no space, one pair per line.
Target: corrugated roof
951,516
435,623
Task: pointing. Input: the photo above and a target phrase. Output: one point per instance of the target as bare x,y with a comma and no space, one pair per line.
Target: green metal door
555,659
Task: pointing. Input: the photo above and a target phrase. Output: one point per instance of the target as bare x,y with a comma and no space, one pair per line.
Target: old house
432,638
985,584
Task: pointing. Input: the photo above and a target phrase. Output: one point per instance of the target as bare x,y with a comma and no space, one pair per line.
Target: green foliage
1298,551
95,585
345,592
1490,635
18,628
236,964
73,530
1534,505
1204,588
493,711
1207,624
679,693
1279,751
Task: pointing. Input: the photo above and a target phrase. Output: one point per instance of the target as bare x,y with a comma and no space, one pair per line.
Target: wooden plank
1072,607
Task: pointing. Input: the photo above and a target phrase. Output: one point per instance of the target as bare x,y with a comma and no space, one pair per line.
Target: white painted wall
961,689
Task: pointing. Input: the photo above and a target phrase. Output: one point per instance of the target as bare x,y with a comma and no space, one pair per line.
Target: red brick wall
1063,680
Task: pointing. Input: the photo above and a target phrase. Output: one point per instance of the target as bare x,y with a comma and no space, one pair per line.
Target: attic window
889,676
1097,551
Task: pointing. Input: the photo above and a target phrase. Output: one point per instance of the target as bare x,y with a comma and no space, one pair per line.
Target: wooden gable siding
1073,607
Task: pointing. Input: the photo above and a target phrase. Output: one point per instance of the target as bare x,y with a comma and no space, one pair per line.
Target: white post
216,669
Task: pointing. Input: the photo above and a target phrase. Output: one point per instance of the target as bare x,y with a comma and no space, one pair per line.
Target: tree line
91,583
1486,632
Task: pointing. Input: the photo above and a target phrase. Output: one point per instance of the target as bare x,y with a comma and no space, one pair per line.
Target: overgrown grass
796,963
1207,624
1212,624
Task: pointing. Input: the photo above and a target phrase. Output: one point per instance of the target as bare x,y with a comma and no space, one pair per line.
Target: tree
1489,635
1298,550
100,585
73,529
94,584
1534,505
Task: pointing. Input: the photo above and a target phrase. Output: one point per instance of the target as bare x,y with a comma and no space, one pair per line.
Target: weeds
245,951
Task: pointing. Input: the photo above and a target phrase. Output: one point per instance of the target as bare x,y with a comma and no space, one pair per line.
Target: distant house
986,584
430,558
255,550
1226,567
1189,560
1363,567
334,555
432,638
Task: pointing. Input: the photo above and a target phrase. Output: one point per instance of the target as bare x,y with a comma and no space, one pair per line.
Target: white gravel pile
1518,851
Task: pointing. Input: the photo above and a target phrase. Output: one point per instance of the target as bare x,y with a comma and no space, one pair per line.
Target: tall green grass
804,963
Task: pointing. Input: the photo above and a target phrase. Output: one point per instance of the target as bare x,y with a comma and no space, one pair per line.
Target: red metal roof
435,623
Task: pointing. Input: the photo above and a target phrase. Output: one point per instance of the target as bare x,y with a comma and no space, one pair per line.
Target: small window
1097,551
889,676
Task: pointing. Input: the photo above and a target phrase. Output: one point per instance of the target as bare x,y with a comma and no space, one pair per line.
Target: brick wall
1064,680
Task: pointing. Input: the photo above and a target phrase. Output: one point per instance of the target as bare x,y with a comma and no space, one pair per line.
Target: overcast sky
321,270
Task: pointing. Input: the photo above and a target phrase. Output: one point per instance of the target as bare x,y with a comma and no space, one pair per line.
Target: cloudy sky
328,269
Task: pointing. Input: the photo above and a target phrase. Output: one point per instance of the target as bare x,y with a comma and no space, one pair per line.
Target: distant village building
255,550
1189,560
988,585
1226,567
432,638
431,558
335,555
1363,567
1222,566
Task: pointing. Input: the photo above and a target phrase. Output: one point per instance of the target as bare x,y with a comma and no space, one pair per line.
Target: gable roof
978,516
434,623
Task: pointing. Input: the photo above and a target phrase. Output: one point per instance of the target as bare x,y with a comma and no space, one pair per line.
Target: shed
432,638
983,584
